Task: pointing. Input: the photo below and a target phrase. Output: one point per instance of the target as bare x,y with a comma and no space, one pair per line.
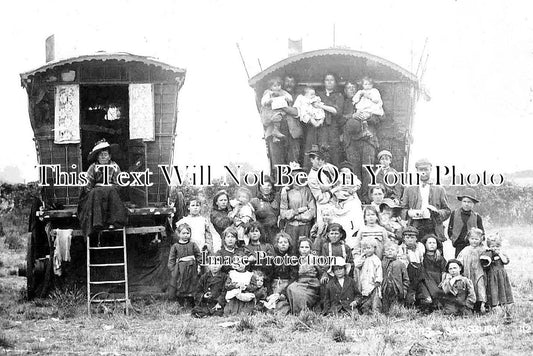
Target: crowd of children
386,263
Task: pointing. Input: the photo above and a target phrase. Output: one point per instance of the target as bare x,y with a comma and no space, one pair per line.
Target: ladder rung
109,282
108,300
106,264
106,248
114,230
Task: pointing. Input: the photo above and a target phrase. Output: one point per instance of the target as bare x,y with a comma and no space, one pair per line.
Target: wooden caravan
126,99
398,88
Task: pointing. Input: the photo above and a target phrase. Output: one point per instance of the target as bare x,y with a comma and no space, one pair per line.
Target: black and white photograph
266,177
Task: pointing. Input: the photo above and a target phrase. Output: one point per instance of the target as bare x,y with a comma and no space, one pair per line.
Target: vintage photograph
266,178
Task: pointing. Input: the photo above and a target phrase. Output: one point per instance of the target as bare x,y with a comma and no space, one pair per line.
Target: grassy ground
60,325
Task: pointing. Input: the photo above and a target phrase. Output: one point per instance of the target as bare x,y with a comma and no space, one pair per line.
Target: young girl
304,292
395,278
434,269
281,275
319,232
200,232
367,103
274,98
459,296
256,250
370,277
470,258
239,290
498,286
242,214
372,230
183,262
412,255
229,247
307,109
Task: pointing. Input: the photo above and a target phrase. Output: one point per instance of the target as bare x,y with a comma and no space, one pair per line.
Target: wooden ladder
91,298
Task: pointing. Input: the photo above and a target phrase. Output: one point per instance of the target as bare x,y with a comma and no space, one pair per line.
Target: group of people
389,252
385,253
296,119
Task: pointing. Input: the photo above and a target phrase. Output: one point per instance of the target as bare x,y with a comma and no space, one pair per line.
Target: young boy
200,232
395,278
463,219
412,255
391,191
370,277
209,295
342,293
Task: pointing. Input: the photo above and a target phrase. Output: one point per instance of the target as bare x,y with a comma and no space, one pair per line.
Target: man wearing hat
394,191
425,205
463,219
297,207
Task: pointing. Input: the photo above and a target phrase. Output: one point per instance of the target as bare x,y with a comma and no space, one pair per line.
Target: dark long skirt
183,280
100,208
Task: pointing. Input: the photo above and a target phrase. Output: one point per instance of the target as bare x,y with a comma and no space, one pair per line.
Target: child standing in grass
470,258
412,255
395,278
498,287
370,277
459,296
183,262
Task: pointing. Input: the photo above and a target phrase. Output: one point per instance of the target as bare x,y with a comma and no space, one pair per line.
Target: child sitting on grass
459,296
209,299
342,292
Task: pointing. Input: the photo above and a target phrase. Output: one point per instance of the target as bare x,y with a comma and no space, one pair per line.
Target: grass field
60,325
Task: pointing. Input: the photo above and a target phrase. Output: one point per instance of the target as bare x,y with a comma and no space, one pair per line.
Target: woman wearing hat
99,206
463,219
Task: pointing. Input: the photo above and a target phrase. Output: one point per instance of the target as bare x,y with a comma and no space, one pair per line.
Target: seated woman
304,292
99,206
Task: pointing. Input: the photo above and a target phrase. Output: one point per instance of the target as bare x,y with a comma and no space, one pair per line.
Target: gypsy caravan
399,90
128,100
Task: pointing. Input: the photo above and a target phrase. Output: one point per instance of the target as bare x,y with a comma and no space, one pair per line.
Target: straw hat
340,262
99,147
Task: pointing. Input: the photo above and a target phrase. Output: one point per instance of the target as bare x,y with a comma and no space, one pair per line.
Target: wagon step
106,264
109,282
101,267
108,300
106,247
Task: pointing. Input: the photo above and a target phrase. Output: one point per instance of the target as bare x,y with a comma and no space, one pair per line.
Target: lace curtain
67,114
142,118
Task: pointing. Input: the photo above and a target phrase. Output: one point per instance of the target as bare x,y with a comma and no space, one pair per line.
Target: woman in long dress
100,206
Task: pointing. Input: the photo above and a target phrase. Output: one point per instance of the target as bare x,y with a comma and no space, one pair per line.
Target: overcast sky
479,73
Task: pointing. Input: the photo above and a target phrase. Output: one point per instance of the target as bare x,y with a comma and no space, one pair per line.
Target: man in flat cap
425,205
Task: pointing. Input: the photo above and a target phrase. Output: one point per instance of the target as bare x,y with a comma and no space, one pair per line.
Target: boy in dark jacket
209,297
342,293
395,278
